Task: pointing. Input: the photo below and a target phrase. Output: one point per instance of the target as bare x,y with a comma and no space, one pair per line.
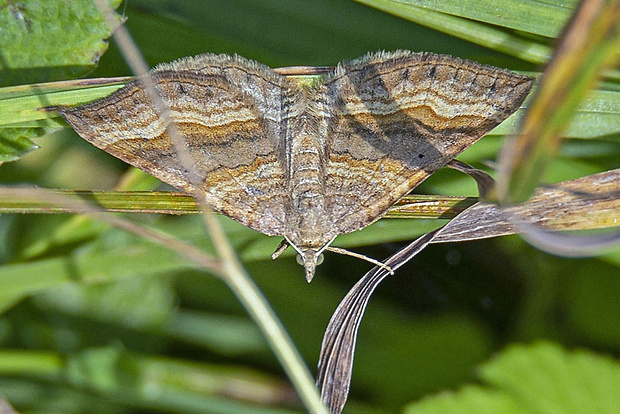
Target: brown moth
304,162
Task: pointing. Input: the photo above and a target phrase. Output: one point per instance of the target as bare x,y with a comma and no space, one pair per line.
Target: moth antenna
360,256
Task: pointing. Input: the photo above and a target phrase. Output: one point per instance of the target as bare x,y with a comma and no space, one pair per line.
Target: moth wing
397,117
226,110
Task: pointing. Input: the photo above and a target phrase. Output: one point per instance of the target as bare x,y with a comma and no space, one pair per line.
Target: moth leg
284,244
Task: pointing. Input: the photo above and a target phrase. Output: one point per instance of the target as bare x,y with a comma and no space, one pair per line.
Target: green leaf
24,105
48,40
546,378
471,399
540,378
532,16
15,142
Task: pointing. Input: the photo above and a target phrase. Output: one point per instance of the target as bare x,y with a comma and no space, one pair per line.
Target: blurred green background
97,321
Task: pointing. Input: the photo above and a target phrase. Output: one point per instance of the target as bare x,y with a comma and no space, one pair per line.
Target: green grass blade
544,18
589,45
470,28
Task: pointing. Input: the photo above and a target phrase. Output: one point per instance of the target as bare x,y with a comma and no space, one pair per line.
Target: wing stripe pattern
400,116
230,133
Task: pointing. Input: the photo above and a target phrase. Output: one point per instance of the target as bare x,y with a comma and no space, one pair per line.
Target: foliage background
134,330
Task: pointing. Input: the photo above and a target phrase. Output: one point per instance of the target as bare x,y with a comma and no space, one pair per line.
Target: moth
304,162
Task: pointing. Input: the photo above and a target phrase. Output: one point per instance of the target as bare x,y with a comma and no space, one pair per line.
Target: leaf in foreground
63,39
533,379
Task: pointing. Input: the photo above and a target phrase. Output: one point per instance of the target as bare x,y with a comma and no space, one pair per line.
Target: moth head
310,259
309,253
